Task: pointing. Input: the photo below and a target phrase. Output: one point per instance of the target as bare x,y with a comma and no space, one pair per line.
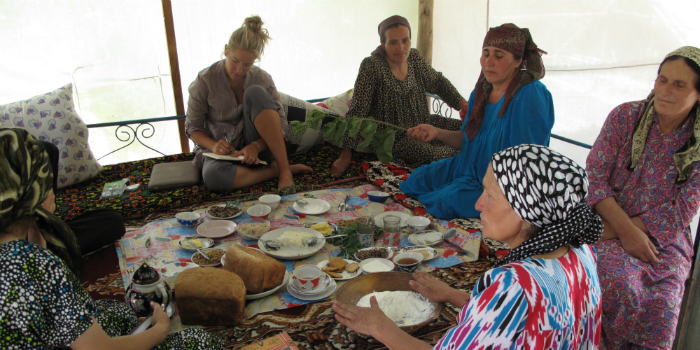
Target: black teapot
147,285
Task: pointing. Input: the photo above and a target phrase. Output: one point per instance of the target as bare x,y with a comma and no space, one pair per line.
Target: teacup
306,277
408,261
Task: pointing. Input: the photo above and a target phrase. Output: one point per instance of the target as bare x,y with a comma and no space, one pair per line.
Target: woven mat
313,326
74,200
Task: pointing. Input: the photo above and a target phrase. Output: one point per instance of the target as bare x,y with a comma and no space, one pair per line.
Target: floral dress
641,301
379,94
533,304
44,306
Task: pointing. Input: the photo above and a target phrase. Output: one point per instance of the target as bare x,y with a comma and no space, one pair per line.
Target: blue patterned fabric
449,188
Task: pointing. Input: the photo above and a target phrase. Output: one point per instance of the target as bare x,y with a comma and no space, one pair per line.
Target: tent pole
425,32
175,73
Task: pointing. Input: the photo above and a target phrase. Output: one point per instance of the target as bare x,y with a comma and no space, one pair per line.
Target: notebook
230,158
170,176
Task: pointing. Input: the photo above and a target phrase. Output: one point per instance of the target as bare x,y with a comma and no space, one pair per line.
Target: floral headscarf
547,190
690,152
517,41
25,182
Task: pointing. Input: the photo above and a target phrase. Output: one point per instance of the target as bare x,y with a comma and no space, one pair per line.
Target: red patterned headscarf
517,41
382,27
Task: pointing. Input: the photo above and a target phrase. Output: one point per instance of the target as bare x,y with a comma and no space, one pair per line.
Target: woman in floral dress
544,294
645,183
42,303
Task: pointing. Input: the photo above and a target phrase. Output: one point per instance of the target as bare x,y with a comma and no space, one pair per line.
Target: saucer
321,288
327,293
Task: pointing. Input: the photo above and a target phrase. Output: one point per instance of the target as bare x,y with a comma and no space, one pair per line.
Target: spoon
195,247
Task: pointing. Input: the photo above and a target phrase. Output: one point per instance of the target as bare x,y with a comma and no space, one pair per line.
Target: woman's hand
638,244
362,319
423,133
160,322
249,153
222,147
436,290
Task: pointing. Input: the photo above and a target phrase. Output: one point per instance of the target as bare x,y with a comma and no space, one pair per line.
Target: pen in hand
226,139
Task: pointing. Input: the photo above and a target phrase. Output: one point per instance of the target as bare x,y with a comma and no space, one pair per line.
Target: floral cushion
51,117
339,104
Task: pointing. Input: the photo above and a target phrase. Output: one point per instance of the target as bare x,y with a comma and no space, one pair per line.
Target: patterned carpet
314,327
74,200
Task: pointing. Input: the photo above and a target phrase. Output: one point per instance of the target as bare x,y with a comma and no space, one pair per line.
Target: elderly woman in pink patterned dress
645,182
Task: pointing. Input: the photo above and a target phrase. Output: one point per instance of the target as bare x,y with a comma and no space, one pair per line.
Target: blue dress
449,188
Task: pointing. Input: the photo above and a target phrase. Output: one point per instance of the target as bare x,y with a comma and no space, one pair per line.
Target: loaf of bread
209,296
258,271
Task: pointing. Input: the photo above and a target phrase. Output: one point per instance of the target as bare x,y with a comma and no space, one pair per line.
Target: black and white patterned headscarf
547,190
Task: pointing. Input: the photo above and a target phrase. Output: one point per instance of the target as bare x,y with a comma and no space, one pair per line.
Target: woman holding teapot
42,303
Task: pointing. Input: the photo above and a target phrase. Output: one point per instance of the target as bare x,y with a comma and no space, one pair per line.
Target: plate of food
192,242
340,269
292,241
313,206
427,238
254,296
252,229
216,228
374,252
428,253
223,212
348,222
379,219
214,255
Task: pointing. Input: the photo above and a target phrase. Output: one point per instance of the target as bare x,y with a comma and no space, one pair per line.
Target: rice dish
294,238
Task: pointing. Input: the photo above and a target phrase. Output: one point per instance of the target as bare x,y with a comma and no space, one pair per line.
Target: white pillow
297,109
51,117
339,104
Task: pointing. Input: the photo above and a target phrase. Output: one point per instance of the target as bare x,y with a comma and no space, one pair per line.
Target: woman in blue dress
508,107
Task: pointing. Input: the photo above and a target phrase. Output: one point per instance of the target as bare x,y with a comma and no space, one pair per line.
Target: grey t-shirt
212,106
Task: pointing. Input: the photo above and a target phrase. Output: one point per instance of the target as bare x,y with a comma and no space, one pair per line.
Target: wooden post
425,30
175,73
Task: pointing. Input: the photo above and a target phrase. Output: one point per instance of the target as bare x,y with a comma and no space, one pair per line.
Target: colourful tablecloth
157,243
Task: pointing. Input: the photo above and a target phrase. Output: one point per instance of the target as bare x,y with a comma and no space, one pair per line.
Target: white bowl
418,223
259,211
187,218
216,228
271,200
387,265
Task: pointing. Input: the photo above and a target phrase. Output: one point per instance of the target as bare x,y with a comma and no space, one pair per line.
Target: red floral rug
101,276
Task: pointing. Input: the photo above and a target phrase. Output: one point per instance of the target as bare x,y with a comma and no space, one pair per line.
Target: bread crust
258,271
210,296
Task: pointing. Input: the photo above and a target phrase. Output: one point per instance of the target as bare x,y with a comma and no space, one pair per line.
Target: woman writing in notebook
234,109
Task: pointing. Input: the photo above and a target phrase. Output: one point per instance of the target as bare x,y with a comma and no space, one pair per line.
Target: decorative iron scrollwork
132,135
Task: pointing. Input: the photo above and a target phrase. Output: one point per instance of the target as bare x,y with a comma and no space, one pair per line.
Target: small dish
187,218
418,223
253,229
428,253
209,213
429,238
215,259
313,206
376,265
203,242
271,200
216,228
408,261
389,253
259,211
346,275
377,196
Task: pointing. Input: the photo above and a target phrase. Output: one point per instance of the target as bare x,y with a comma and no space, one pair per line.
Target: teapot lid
145,275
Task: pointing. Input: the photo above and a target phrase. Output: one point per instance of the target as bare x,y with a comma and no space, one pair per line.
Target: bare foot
342,163
286,179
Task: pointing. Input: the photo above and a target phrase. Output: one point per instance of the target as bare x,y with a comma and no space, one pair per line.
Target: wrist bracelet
259,148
